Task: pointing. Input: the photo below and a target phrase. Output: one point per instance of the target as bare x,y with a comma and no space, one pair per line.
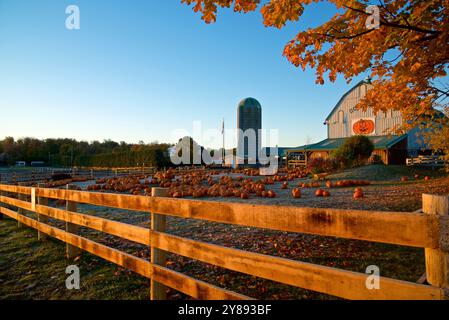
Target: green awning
281,151
380,142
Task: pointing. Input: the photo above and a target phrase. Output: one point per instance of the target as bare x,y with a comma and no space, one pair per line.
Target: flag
222,127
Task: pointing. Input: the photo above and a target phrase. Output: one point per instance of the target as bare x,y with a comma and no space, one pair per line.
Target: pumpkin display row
202,183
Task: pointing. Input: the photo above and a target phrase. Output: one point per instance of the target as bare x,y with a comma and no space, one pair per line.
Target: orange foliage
415,32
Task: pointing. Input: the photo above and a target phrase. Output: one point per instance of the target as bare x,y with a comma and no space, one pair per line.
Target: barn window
341,116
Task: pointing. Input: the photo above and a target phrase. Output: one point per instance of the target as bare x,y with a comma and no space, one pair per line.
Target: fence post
1,204
40,217
436,259
158,223
71,251
21,211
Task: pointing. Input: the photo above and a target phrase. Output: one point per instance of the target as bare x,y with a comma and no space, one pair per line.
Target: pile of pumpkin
200,183
299,173
246,172
131,184
225,187
141,184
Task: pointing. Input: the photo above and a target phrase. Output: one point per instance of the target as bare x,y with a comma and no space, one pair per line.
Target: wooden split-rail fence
119,171
430,161
42,174
428,230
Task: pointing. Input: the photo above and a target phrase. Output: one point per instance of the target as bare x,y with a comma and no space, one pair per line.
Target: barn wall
339,124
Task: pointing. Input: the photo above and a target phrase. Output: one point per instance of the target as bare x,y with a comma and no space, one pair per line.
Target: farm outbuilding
390,149
345,120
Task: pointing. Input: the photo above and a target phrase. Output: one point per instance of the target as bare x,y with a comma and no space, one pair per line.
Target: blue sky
137,70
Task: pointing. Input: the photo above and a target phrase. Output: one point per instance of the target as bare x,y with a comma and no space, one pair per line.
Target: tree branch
397,25
347,37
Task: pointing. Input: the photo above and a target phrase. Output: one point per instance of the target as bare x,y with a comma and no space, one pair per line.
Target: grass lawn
380,172
31,269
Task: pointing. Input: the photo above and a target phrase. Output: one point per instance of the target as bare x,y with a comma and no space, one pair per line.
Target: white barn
345,120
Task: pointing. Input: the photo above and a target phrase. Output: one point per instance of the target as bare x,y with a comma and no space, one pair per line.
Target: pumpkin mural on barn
363,127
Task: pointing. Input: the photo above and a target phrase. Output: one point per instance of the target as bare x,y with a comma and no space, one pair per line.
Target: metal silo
249,117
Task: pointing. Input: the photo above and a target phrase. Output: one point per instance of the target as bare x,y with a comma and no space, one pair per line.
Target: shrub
355,151
320,165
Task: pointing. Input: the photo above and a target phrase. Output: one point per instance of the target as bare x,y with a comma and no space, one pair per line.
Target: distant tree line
70,152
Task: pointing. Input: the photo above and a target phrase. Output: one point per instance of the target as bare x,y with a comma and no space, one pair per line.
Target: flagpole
222,133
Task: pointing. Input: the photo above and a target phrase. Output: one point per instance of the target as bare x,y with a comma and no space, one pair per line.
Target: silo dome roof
249,103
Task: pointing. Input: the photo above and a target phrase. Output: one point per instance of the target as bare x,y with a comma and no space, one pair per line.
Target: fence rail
293,163
434,161
427,230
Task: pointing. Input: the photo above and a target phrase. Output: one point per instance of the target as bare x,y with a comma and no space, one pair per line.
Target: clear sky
137,70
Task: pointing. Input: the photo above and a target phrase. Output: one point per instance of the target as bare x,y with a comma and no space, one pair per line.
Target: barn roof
380,142
281,151
344,96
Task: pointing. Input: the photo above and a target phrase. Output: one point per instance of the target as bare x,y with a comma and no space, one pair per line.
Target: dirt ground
385,193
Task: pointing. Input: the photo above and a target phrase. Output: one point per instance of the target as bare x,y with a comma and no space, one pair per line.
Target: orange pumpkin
358,193
296,193
363,127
